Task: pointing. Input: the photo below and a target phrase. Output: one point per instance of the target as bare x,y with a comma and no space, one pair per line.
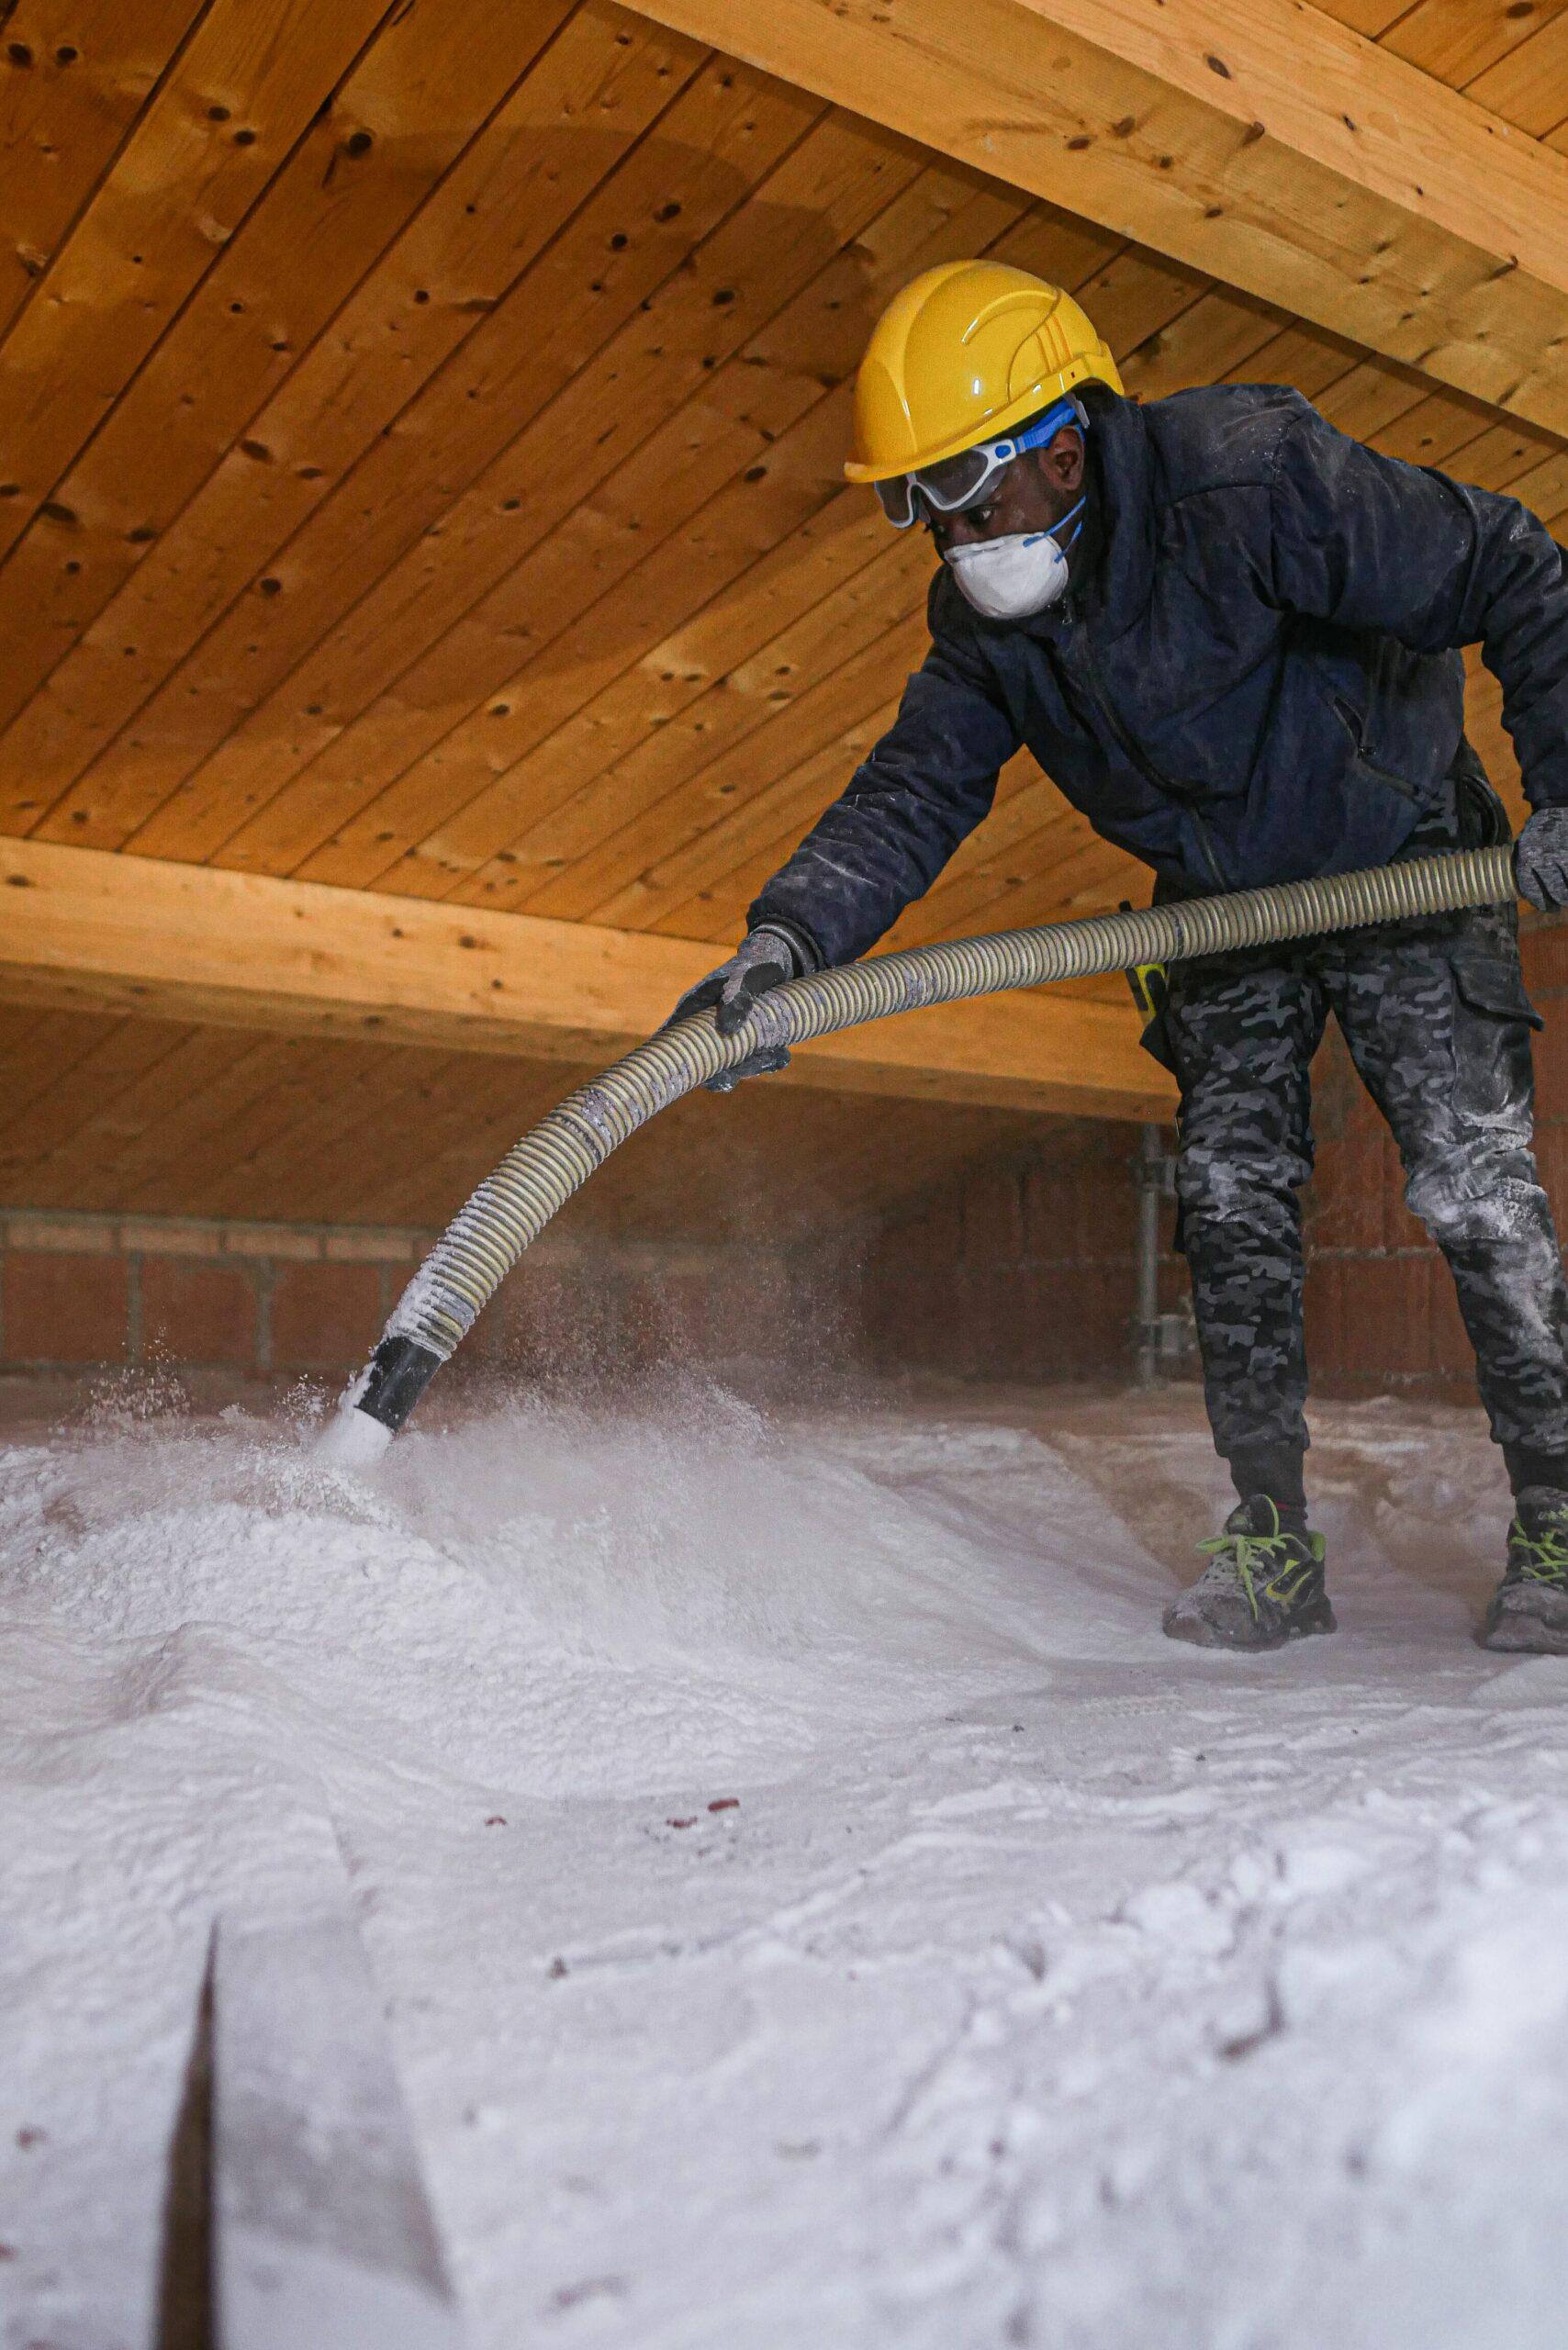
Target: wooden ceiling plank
412,103
98,1080
1218,333
176,1164
458,1113
552,741
431,504
243,89
1499,455
331,1091
308,798
1544,489
1371,18
76,75
615,672
1137,294
1052,244
1530,86
380,785
365,1158
181,1148
38,1052
1428,433
334,1121
1015,837
470,1138
771,780
1460,41
564,853
472,1116
1299,354
1026,821
671,501
1086,875
238,951
716,912
87,1163
1373,395
823,185
1094,879
666,845
366,385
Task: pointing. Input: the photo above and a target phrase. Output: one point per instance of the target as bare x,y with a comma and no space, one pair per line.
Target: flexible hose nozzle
537,1177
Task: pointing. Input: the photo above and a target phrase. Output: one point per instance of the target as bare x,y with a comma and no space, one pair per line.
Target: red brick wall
1021,1269
79,1292
270,1302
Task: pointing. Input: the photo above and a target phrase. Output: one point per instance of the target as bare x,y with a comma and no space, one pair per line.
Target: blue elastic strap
1036,536
1044,428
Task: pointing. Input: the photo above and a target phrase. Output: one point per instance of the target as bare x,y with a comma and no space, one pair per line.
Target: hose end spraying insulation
511,1208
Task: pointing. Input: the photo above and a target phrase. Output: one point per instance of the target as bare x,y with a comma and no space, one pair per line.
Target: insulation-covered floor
812,1903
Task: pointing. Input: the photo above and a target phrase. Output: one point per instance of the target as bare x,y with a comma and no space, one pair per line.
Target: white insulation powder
811,1902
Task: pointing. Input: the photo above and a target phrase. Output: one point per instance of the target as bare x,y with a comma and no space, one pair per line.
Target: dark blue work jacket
1256,677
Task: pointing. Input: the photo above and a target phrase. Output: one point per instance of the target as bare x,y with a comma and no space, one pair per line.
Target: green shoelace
1248,1555
1546,1558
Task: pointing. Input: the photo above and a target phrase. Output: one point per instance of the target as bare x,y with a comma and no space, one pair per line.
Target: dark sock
1275,1469
1528,1467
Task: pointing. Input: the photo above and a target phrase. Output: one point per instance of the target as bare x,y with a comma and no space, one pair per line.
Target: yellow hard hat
963,351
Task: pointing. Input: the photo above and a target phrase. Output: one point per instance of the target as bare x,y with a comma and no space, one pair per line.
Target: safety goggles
953,483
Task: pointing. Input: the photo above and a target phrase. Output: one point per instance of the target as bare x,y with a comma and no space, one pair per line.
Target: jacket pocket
1366,770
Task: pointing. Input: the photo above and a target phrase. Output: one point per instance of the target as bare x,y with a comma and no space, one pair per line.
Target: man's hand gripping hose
512,1206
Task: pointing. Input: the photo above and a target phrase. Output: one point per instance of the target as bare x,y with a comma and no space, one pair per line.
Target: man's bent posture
1230,636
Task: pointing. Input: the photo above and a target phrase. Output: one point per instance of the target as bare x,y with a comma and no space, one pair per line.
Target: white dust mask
1011,579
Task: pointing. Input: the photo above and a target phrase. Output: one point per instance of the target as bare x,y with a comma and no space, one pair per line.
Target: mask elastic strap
1056,533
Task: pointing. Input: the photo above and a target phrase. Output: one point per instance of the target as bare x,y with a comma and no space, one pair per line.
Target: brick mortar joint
41,1229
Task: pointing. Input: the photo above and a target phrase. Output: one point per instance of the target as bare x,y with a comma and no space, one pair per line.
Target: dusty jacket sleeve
1370,542
909,803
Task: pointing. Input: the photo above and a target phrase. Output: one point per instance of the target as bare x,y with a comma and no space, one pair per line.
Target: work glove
1541,860
764,959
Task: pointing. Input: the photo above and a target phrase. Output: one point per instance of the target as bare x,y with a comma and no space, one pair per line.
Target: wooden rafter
88,930
1258,140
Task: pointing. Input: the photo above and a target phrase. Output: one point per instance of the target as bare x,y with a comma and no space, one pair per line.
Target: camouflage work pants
1439,1026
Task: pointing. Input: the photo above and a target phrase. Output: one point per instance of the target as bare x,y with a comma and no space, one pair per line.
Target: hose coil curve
539,1174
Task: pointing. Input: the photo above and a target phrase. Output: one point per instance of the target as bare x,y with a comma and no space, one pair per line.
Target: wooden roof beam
92,929
1258,140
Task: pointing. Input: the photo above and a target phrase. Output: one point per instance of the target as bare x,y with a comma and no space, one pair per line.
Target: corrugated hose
538,1175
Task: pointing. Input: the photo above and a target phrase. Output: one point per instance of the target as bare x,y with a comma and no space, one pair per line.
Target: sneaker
1529,1607
1263,1584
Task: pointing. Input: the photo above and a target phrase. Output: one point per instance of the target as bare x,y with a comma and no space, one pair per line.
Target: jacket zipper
1146,767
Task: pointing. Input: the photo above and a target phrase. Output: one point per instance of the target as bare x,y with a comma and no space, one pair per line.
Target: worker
1231,636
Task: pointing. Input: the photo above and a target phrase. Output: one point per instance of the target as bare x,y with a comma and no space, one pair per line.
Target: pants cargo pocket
1493,1020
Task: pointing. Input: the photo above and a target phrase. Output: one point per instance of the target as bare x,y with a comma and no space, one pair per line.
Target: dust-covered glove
764,959
1541,860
